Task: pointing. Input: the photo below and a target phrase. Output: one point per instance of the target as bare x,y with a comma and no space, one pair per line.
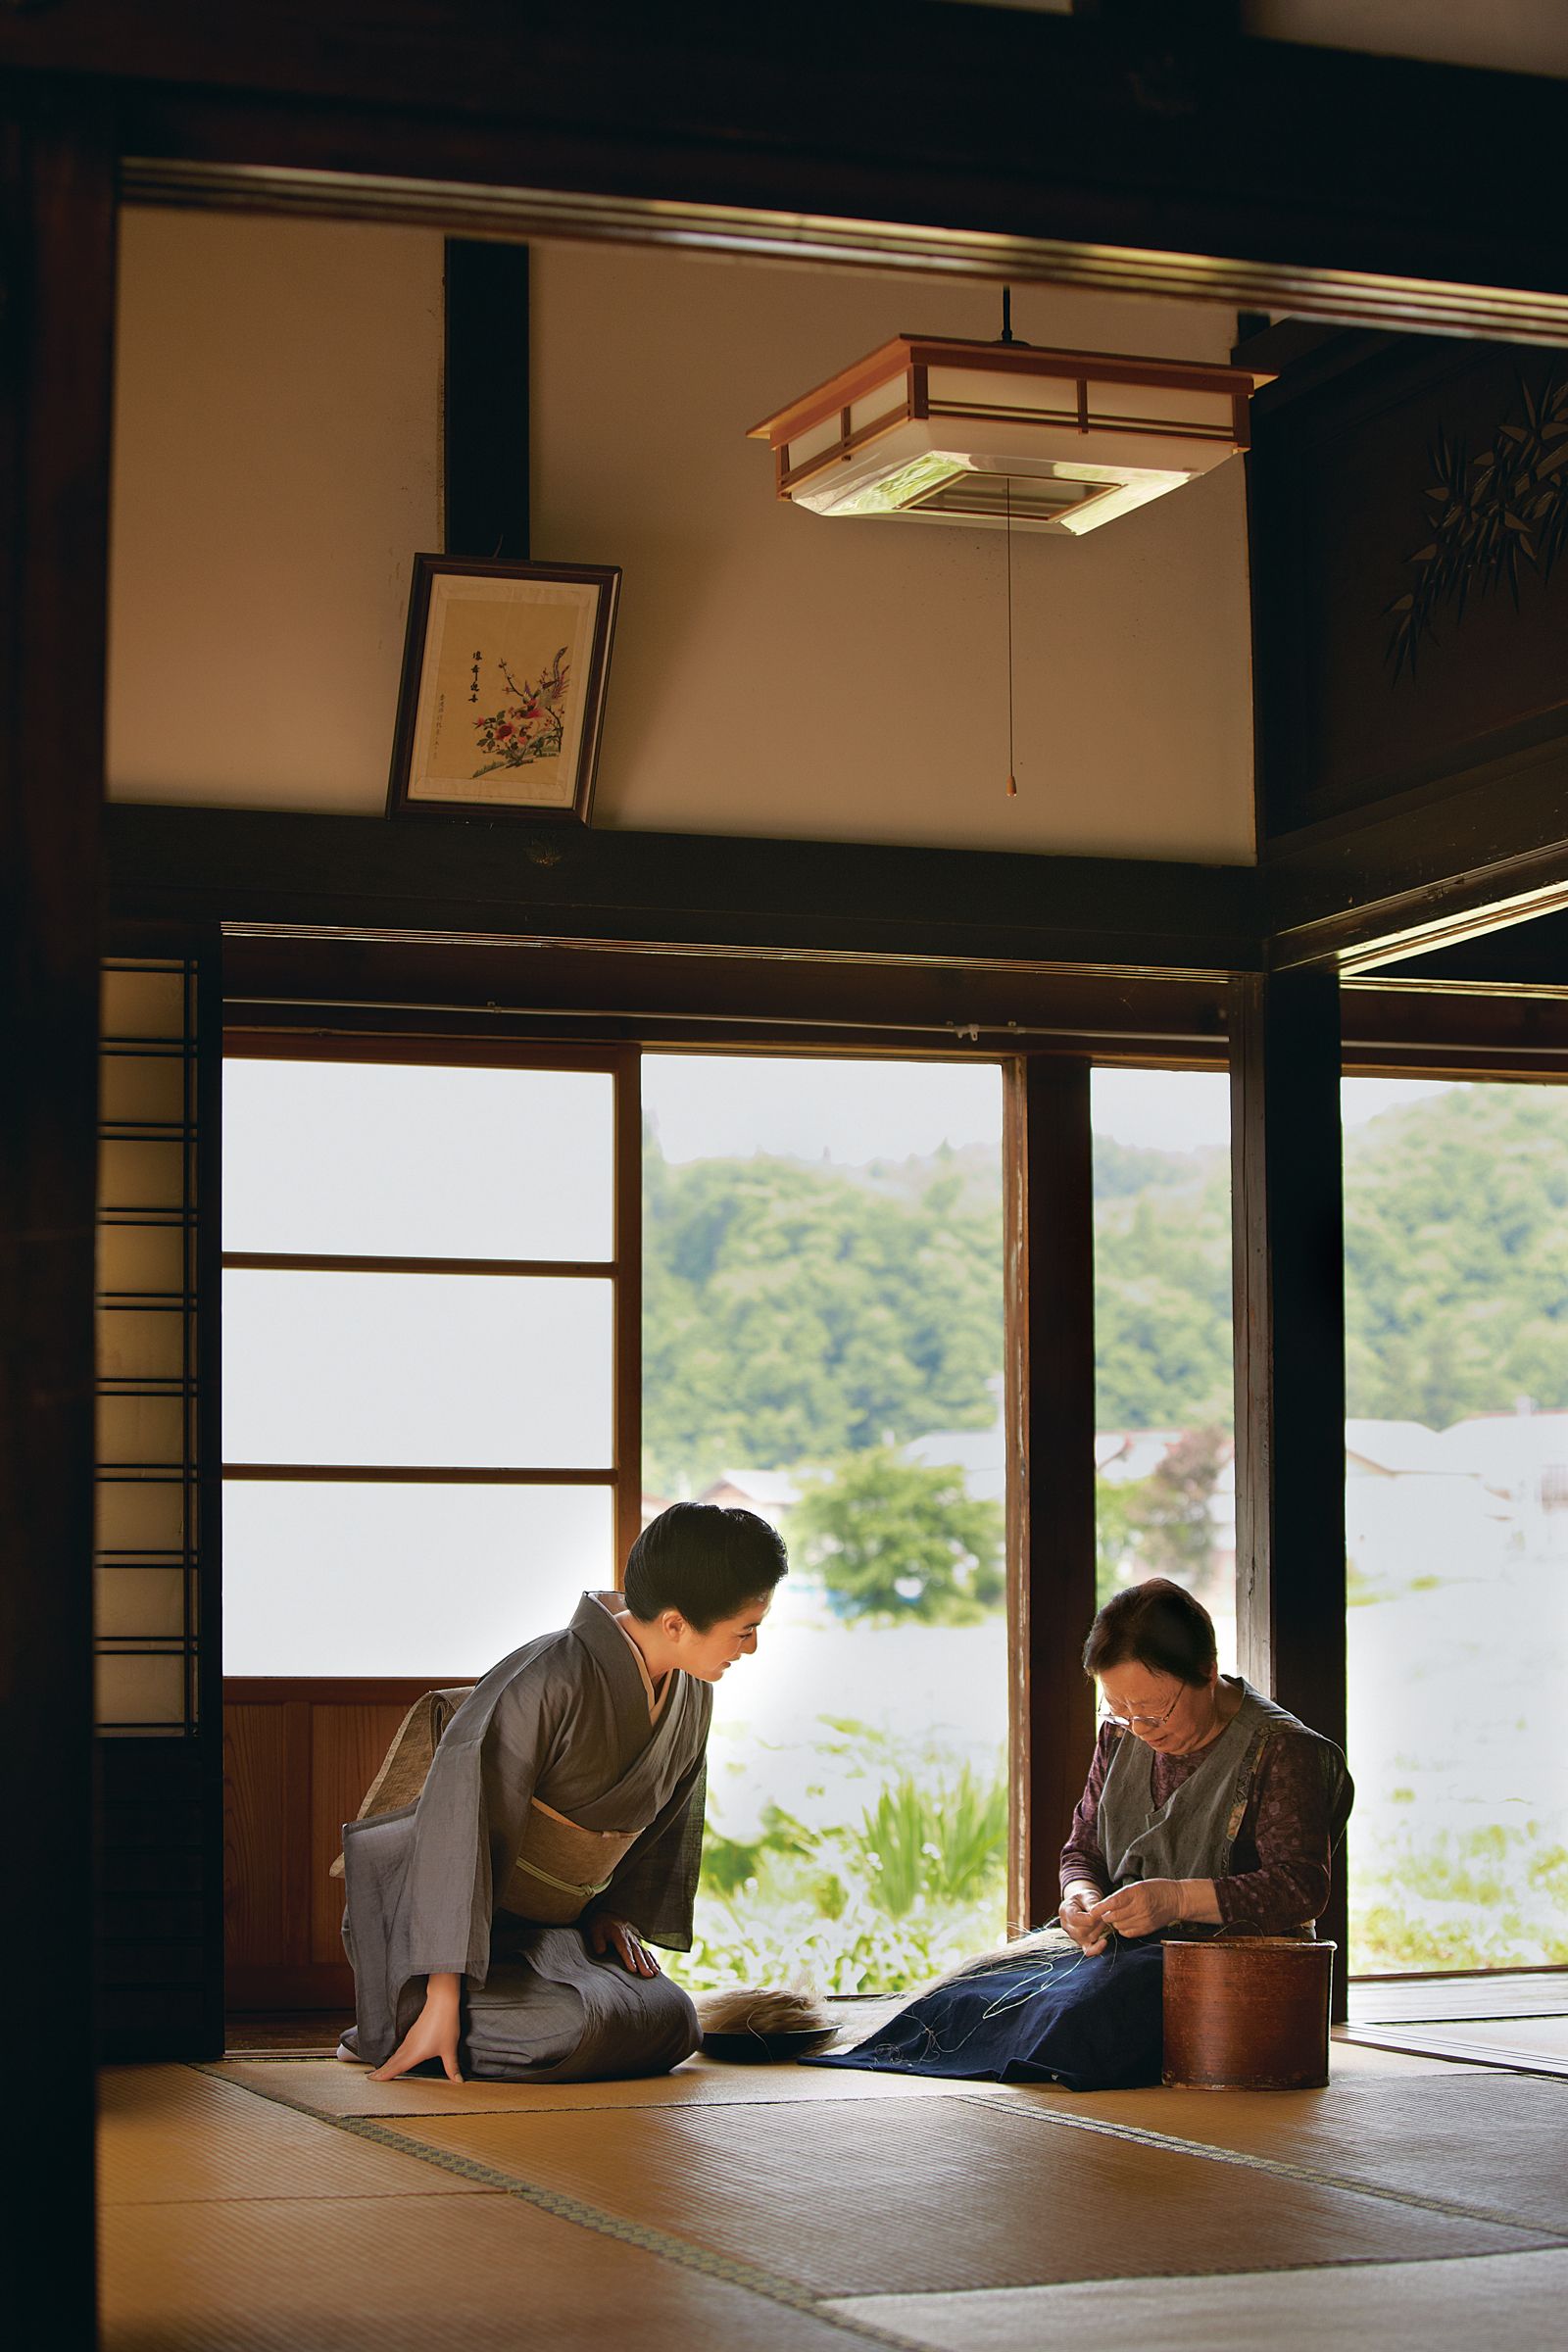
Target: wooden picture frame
505,667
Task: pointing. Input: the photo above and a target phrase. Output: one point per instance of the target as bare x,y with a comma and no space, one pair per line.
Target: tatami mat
1537,2044
169,2135
1427,2307
330,2088
1546,2034
483,2273
940,2196
1348,2061
1492,2145
1440,2001
723,2210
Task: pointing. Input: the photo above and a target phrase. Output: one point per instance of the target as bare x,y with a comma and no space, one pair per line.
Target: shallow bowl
764,2049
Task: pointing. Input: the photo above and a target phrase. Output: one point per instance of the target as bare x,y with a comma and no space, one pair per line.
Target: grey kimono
558,1752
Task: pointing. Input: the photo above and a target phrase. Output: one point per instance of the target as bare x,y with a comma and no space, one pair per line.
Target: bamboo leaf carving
1488,517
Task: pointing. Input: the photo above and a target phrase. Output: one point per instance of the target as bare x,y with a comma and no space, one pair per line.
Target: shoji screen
156,1549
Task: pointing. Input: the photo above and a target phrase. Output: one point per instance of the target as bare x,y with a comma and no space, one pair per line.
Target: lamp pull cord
1012,781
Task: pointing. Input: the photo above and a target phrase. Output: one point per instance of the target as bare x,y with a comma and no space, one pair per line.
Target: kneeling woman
502,1922
1207,1811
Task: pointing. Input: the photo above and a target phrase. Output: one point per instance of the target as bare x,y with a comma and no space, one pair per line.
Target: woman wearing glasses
1208,1810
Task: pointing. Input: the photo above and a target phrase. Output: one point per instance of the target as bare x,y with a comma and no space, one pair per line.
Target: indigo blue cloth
1050,2017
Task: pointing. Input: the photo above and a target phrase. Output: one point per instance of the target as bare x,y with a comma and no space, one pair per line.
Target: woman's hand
432,2034
621,1938
1079,1908
1141,1908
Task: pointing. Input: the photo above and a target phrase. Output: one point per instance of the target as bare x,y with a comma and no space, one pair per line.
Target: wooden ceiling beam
328,917
1422,871
1132,154
473,881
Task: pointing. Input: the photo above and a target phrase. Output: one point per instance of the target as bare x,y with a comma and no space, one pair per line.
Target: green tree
1173,1528
1457,1255
1116,1534
899,1541
1123,1169
1162,1304
1160,1525
796,1313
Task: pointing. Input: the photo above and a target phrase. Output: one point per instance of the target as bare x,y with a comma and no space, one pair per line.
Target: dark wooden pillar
485,402
56,244
1051,1423
1288,1208
629,1388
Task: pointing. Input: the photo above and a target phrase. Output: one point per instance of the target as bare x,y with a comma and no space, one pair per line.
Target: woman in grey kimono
1208,1810
501,1925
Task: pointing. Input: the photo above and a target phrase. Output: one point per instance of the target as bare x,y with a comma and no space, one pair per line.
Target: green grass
917,1881
879,1904
1487,1897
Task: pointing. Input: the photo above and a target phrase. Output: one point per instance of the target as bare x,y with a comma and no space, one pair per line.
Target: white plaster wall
1515,36
774,673
277,458
780,673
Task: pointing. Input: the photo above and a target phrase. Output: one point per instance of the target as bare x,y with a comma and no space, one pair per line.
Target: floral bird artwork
530,725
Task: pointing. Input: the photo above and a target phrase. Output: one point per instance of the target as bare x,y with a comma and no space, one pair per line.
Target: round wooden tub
1247,2013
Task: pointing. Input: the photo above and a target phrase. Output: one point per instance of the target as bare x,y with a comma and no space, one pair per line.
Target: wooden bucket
1247,2013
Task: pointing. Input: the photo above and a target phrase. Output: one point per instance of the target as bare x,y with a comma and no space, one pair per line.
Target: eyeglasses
1141,1723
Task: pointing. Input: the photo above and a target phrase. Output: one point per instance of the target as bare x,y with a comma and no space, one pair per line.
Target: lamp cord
1012,781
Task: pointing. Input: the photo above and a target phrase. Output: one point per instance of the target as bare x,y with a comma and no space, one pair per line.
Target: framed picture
503,699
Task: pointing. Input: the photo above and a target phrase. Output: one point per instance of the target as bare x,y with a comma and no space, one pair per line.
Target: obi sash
562,1867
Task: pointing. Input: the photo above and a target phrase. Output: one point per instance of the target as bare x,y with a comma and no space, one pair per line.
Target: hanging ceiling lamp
939,430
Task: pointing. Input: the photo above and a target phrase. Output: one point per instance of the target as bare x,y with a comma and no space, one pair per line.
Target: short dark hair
703,1561
1156,1624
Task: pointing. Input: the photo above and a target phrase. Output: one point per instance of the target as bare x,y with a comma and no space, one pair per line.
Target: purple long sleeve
1280,1862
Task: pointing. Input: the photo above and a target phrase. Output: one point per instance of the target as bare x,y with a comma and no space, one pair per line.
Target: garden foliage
892,1540
825,1316
794,1313
877,1904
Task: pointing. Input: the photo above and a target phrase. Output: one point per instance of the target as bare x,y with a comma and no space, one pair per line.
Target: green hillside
1457,1255
793,1313
797,1311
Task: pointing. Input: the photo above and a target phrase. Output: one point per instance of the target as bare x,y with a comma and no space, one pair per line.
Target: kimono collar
597,1614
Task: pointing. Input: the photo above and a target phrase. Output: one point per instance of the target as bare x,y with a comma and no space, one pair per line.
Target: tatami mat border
826,2090
649,2240
311,2057
1311,2176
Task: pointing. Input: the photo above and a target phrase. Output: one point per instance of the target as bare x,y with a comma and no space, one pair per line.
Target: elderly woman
1207,1811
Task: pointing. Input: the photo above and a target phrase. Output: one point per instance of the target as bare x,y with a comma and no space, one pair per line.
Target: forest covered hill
795,1311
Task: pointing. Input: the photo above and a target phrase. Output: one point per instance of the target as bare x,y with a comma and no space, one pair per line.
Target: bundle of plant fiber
749,2021
1049,1942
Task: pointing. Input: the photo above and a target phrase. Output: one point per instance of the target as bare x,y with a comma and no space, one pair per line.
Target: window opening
421,1276
1457,1478
1165,1417
823,1345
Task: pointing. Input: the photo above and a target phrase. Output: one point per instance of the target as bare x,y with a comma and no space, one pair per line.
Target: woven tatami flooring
291,2203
